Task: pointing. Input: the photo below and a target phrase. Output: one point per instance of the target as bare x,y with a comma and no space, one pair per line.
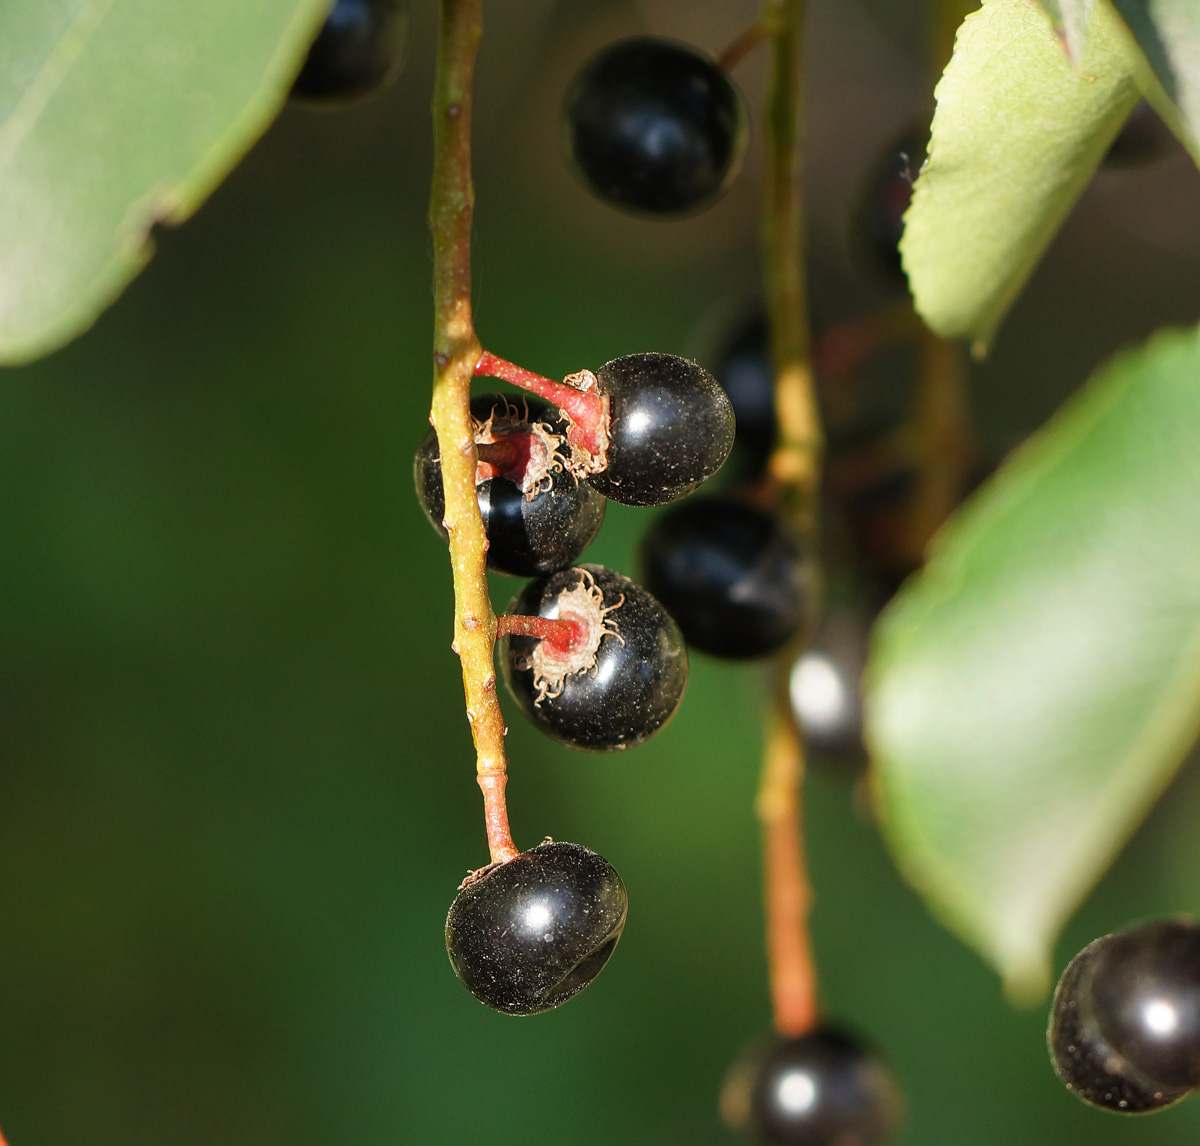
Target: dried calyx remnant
584,622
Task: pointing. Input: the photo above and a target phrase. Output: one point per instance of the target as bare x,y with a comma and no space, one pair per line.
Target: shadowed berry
822,1089
735,577
358,52
654,127
537,515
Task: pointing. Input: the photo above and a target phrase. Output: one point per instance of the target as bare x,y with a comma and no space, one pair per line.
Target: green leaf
1017,134
1168,33
1033,691
116,115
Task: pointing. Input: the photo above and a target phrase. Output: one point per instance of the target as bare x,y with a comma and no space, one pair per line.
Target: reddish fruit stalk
585,408
562,633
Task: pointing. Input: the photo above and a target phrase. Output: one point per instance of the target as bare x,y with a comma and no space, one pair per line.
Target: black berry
1125,1022
538,517
822,1089
654,127
744,372
527,935
618,678
826,687
735,577
670,426
359,51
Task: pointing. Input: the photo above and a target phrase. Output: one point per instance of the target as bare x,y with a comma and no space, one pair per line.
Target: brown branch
795,464
942,441
786,893
456,351
758,33
795,472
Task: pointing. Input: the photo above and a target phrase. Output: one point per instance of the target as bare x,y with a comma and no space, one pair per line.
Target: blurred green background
236,785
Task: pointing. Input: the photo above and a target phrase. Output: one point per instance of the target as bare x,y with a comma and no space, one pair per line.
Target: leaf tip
1026,979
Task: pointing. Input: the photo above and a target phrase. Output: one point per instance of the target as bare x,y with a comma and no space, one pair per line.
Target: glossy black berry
654,127
670,426
825,686
744,372
527,935
1125,1022
622,680
359,51
735,577
825,1088
538,517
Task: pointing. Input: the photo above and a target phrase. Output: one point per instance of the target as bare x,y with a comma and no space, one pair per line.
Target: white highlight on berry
796,1092
1161,1017
820,698
537,917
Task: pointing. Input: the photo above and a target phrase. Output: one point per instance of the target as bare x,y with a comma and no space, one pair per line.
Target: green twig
795,473
456,351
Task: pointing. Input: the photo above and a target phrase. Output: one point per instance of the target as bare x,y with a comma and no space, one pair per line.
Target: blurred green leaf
1168,33
1037,686
1017,134
116,115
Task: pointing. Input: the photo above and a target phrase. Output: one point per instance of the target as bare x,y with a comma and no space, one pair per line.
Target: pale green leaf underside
115,114
1017,134
1032,692
1168,33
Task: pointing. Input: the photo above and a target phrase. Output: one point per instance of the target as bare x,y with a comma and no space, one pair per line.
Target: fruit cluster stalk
456,351
795,469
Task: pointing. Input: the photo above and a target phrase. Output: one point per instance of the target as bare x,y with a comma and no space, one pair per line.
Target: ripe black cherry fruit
537,515
670,427
825,686
825,1088
1125,1022
644,429
358,52
611,677
737,580
654,127
744,372
527,935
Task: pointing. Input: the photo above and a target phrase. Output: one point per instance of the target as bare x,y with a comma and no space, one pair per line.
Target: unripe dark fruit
527,935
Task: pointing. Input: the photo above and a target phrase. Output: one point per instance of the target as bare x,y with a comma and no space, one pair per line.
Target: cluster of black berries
1125,1022
590,656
